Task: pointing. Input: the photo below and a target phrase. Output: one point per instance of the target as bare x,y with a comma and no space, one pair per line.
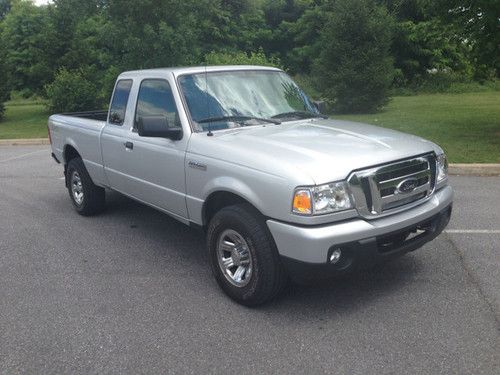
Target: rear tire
88,199
243,256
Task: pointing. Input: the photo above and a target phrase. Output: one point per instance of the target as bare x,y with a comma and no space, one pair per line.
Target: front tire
87,198
243,256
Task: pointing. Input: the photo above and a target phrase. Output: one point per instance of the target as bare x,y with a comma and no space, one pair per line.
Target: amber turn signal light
302,202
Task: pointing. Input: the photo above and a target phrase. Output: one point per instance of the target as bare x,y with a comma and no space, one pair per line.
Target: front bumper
362,242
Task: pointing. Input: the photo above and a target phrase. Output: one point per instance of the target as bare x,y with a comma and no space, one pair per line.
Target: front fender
235,186
222,184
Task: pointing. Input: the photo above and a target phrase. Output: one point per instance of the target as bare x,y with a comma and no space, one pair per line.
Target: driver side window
155,99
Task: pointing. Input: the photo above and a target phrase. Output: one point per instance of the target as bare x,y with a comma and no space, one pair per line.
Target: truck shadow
350,292
355,290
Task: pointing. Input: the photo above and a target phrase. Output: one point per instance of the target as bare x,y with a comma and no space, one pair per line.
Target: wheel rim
234,258
77,188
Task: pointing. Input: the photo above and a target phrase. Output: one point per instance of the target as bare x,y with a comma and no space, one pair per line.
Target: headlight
442,168
322,199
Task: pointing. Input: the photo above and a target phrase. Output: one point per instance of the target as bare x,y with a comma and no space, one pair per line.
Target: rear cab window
119,102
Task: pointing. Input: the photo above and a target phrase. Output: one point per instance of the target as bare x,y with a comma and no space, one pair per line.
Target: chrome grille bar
395,181
388,188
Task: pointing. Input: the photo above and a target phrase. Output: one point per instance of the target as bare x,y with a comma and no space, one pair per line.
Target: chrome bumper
312,244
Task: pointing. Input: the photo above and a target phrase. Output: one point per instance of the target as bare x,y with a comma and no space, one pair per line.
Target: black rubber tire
94,200
268,275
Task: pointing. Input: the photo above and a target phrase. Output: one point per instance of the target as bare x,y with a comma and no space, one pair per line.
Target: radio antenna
207,103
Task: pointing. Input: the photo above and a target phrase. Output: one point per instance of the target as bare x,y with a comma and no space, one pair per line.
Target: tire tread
94,196
271,269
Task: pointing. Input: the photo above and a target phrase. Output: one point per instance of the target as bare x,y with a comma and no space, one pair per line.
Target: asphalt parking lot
130,291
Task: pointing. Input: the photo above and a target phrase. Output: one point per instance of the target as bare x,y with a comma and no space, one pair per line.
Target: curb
462,169
474,169
24,142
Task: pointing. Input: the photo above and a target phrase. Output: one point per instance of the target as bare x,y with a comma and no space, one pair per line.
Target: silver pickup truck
241,152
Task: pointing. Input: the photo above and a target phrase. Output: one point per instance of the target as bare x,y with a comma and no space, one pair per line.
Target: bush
2,110
71,91
19,98
354,70
446,82
4,96
241,58
4,89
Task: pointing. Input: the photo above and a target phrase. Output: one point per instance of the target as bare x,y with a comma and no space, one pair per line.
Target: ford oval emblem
407,186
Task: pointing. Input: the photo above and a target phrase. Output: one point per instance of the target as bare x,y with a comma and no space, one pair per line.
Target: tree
291,27
306,36
28,37
345,45
428,46
477,21
354,69
4,8
4,84
423,43
65,17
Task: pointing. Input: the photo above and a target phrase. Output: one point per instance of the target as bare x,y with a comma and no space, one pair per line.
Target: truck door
150,169
115,134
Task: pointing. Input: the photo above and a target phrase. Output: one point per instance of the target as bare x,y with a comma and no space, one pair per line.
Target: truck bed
100,115
80,131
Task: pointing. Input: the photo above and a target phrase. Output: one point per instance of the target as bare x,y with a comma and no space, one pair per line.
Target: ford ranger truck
280,190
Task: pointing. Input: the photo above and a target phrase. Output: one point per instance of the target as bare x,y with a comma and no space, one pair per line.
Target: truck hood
323,150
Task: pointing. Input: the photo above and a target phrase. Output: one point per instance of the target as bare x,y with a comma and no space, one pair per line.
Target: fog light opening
335,256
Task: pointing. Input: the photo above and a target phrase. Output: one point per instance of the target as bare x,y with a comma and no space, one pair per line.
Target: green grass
466,126
24,119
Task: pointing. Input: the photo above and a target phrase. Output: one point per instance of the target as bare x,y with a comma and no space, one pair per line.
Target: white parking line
474,231
22,156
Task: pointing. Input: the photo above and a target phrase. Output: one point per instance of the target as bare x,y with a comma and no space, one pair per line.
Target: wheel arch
220,199
70,152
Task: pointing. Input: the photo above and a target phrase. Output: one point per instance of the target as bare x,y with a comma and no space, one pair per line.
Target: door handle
129,145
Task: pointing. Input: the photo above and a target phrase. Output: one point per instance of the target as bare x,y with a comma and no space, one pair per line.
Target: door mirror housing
320,105
157,126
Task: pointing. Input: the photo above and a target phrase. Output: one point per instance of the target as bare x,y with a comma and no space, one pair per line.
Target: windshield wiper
237,119
299,114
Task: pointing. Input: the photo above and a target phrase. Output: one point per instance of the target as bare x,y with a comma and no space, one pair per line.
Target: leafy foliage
4,89
28,36
477,22
4,8
4,85
431,43
71,91
241,58
354,68
425,48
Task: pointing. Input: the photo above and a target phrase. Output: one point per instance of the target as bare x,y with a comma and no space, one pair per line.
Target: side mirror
320,105
157,126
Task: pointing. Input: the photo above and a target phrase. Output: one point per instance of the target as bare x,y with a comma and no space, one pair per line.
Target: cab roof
177,71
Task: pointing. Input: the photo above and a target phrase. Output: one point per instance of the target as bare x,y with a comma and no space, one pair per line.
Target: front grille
382,190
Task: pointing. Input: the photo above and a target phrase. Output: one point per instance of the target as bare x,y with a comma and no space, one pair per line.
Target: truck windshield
231,99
